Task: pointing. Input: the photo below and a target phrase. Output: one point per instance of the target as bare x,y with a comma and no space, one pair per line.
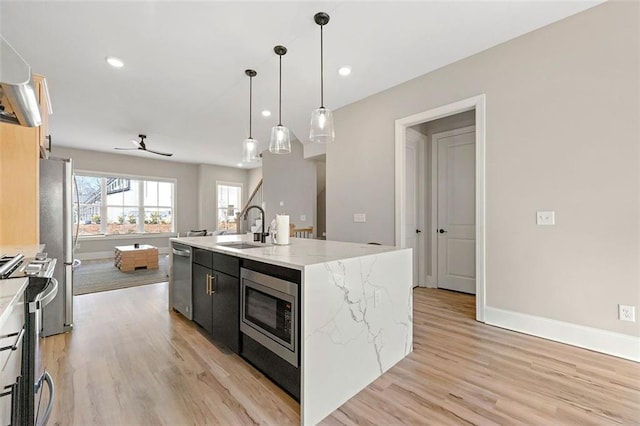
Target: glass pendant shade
322,126
280,142
250,151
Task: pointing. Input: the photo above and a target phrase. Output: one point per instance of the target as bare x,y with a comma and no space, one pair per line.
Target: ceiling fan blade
127,149
159,153
136,143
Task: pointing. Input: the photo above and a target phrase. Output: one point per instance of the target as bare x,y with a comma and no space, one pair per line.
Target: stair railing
254,198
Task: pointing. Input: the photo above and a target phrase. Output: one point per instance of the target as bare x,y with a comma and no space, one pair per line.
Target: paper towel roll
282,225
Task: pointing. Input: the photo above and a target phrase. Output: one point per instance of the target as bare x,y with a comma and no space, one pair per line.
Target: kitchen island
355,311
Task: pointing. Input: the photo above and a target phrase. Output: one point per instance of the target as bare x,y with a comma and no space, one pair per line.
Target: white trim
431,282
595,339
132,236
479,104
242,197
96,255
91,173
434,213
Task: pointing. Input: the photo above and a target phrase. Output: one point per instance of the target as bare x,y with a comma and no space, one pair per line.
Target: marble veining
349,338
357,301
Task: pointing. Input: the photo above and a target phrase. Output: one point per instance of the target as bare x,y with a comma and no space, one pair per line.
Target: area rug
93,276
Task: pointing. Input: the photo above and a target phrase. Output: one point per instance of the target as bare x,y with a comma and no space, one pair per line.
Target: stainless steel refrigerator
56,232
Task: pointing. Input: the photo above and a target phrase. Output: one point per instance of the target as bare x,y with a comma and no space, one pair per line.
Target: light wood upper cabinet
20,151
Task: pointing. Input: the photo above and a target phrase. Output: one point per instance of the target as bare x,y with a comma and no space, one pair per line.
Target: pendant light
321,118
280,142
250,145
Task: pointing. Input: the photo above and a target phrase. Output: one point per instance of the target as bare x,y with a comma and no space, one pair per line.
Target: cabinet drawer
10,332
203,257
228,264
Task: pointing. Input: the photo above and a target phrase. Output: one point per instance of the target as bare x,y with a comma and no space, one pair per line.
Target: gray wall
185,174
562,134
291,179
208,175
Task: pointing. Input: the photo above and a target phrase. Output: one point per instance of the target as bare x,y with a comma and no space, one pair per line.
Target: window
229,196
115,205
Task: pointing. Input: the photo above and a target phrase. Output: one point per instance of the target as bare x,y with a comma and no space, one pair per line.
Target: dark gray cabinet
201,297
216,296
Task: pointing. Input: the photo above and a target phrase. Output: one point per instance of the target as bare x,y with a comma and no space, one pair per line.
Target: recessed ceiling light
239,164
115,62
344,71
266,113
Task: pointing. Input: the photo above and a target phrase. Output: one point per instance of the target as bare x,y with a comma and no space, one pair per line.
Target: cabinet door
201,300
19,185
225,310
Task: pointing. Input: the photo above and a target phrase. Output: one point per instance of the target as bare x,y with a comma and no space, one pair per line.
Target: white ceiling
183,83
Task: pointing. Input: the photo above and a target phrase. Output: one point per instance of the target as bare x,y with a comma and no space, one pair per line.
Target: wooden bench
130,258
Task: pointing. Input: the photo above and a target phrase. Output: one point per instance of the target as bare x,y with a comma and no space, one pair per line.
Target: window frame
140,223
227,183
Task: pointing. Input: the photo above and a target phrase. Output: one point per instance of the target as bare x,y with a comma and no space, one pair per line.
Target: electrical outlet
376,298
627,313
359,217
281,203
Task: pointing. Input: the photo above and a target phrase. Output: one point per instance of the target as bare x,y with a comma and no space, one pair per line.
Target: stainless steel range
26,393
19,266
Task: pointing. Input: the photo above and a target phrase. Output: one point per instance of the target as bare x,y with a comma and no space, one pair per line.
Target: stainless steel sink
239,245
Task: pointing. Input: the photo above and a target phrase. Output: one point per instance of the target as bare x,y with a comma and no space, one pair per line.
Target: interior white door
456,228
411,215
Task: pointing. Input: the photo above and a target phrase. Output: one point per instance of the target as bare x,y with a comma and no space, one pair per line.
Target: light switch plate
359,217
627,313
281,203
303,217
546,218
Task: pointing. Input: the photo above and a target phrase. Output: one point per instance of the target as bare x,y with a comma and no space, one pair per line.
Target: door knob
442,231
418,231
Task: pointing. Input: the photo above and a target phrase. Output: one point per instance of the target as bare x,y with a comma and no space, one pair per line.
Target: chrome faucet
263,234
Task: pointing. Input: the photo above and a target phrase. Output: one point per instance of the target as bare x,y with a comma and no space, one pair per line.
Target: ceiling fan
140,145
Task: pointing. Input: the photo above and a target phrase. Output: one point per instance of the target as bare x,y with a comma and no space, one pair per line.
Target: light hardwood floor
129,361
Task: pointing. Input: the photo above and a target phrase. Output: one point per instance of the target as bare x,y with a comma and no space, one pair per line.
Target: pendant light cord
280,94
250,103
321,69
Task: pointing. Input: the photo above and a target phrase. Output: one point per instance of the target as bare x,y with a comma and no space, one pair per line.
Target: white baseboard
94,255
608,342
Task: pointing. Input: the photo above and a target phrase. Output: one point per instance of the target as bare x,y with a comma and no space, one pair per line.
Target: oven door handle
46,377
44,300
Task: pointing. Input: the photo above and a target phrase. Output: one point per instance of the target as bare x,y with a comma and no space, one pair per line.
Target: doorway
466,149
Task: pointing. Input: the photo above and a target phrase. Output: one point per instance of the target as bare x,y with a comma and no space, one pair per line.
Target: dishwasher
181,280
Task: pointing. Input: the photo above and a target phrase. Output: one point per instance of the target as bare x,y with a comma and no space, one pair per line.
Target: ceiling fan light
322,126
280,142
250,151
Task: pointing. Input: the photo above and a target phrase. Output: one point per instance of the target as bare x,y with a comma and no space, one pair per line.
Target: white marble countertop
10,293
11,290
299,253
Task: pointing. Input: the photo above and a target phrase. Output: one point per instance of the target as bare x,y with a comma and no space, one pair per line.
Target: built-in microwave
269,313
